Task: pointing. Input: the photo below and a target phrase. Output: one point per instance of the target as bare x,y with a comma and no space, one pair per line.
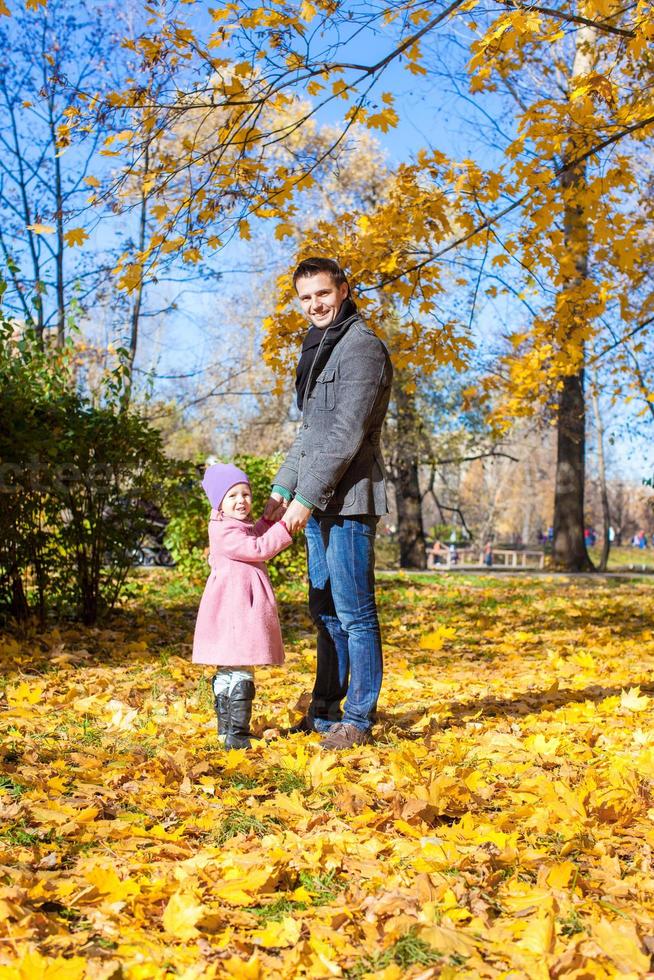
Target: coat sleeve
244,547
361,378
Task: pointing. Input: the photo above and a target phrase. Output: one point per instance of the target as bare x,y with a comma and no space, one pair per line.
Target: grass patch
19,835
323,888
286,780
409,950
237,780
571,924
237,823
9,785
91,734
277,910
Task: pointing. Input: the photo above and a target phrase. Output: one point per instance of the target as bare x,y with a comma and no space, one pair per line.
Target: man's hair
311,267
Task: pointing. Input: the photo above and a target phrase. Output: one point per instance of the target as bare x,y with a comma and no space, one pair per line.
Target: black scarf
314,337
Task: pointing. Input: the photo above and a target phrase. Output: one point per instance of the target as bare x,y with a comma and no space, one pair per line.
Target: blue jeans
341,560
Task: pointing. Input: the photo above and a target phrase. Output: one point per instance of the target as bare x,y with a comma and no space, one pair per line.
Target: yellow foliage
501,825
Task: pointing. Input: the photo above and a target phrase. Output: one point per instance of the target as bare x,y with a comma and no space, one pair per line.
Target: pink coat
237,622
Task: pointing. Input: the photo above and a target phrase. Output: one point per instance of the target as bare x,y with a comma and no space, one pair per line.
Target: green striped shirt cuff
287,495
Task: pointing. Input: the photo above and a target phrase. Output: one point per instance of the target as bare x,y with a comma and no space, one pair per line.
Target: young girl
237,625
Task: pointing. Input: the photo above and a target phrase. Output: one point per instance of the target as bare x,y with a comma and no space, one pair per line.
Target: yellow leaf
560,874
252,970
307,10
33,966
448,940
107,882
40,229
4,9
278,934
75,236
284,230
244,230
384,120
131,277
24,693
233,892
619,941
35,4
435,640
633,701
181,914
541,745
92,181
538,937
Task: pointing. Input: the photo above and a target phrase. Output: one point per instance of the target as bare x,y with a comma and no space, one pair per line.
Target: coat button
303,453
306,425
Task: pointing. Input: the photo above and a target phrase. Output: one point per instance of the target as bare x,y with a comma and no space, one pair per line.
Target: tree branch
570,18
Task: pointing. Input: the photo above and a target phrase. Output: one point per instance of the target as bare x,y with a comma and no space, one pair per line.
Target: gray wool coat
335,462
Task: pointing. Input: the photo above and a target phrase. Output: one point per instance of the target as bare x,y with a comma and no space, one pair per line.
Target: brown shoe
344,736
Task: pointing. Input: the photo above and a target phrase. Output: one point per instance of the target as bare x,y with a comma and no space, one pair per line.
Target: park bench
503,557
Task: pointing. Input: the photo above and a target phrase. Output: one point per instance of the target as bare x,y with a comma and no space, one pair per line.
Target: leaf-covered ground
500,827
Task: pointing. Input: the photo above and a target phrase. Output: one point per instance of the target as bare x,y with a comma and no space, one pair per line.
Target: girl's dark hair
311,267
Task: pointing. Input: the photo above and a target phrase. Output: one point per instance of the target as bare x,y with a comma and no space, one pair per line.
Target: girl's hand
275,507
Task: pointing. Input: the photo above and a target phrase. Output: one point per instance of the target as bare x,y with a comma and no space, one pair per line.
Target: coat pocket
326,391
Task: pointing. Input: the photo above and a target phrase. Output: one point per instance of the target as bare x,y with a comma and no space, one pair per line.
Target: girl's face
237,502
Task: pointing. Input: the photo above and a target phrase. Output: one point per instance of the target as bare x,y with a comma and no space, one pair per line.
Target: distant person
453,555
237,626
488,555
436,554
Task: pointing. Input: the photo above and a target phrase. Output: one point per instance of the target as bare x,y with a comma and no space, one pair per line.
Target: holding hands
275,507
295,514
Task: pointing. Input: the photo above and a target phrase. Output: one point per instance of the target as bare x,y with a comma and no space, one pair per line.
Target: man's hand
275,507
296,516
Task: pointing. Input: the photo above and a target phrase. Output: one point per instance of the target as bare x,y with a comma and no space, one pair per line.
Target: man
332,485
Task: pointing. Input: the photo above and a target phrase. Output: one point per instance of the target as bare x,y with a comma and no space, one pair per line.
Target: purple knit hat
220,478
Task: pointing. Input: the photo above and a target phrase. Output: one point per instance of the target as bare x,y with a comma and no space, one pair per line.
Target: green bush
187,536
188,510
76,483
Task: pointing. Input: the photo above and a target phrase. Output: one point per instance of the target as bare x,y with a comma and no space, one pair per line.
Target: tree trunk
59,207
409,516
569,546
138,296
604,493
405,461
19,606
16,166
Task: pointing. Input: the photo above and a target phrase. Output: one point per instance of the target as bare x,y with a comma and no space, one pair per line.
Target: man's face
321,298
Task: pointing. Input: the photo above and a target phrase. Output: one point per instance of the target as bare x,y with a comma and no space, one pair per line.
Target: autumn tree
564,208
47,53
